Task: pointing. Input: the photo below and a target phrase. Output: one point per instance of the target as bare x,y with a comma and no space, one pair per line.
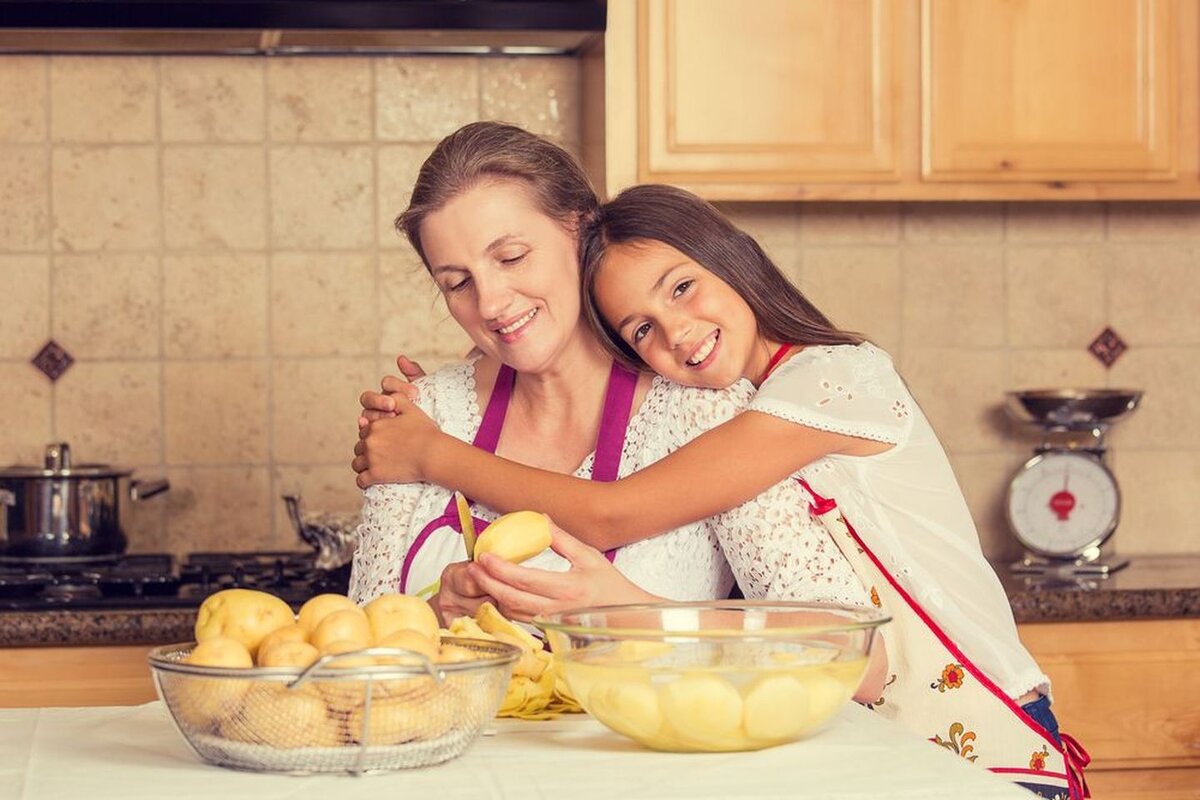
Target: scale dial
1062,504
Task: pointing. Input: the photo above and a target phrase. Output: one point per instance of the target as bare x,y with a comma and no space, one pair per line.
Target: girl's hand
522,593
378,405
460,595
390,450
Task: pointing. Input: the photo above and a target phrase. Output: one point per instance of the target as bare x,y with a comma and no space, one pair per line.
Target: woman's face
509,274
687,324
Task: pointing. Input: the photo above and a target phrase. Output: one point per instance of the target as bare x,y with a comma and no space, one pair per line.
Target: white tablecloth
136,753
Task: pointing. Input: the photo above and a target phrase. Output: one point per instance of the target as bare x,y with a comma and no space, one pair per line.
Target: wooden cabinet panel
1126,690
777,90
1049,89
74,676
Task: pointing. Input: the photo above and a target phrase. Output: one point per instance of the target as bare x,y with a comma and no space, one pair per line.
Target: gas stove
160,581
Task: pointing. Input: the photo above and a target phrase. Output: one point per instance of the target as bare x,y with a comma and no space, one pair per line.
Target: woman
494,216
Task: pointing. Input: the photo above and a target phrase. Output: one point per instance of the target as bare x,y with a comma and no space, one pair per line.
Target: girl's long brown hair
660,213
483,151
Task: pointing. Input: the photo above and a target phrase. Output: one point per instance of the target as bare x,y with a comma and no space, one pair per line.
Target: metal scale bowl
1063,504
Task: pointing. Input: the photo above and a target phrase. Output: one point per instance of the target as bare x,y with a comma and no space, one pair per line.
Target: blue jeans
1040,711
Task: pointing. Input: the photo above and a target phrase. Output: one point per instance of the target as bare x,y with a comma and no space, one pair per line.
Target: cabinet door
768,91
1049,90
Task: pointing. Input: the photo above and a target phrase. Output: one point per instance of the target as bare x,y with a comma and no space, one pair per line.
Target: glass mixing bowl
713,676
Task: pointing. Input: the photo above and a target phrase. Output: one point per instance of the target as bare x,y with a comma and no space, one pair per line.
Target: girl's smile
687,324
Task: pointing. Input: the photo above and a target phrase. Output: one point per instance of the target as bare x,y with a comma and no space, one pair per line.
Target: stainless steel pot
66,512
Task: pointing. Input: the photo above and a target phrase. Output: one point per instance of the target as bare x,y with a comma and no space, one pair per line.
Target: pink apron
934,689
439,542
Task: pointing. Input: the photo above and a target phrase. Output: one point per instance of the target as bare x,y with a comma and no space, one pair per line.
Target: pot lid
58,464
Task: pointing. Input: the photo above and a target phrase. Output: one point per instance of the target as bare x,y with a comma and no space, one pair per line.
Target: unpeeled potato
318,607
389,613
342,626
280,717
243,614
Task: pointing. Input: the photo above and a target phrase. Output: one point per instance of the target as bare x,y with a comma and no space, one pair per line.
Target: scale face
1063,504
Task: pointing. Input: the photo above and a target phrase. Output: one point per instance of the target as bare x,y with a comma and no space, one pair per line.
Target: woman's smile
512,331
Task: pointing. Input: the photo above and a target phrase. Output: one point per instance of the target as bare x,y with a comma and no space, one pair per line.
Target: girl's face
508,272
687,324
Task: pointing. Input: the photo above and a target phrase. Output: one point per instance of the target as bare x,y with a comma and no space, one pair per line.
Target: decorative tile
53,360
1107,347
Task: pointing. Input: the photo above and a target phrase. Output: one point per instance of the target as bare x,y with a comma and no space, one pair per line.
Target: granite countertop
1151,587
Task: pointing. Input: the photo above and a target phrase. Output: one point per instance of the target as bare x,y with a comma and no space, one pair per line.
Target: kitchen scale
1064,504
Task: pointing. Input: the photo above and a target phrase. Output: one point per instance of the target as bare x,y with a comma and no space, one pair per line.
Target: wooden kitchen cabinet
1128,692
75,676
898,99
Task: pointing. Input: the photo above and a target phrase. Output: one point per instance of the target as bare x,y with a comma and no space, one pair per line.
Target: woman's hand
390,450
522,593
459,595
378,405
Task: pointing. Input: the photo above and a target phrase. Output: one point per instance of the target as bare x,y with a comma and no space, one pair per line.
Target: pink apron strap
488,435
610,440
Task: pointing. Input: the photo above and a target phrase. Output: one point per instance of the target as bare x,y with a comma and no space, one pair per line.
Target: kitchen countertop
1150,587
135,753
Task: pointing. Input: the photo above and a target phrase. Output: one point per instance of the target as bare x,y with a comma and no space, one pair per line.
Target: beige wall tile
212,99
858,288
319,99
24,198
145,521
403,87
775,226
953,296
849,223
1153,221
103,99
23,98
107,305
324,304
1056,295
1158,491
216,412
322,197
1169,414
1056,369
953,222
1154,293
218,509
25,397
397,168
215,306
961,392
214,197
984,479
541,94
111,411
1054,222
24,305
320,488
413,314
316,406
105,198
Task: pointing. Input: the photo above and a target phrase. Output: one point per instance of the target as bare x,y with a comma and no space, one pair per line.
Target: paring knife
468,524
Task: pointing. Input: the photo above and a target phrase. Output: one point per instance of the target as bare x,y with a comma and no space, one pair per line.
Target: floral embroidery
875,598
959,741
1038,759
891,679
952,678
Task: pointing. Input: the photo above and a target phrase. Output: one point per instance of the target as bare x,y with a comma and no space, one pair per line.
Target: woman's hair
492,151
659,213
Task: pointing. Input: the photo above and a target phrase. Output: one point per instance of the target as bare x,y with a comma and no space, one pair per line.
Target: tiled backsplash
210,239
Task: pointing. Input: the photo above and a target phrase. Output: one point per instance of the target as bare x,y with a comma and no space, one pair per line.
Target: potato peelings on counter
537,689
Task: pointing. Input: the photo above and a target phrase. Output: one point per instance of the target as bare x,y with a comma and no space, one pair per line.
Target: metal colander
342,714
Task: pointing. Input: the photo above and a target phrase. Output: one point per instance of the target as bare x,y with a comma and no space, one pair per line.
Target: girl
672,285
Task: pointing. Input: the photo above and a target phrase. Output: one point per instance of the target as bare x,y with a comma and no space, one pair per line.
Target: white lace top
683,564
905,503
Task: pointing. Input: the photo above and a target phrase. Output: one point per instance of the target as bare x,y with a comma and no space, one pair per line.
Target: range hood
300,27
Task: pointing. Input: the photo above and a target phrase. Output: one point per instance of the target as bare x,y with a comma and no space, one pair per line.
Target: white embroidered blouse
905,502
683,564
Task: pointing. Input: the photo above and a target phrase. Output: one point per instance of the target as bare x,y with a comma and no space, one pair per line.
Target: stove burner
144,581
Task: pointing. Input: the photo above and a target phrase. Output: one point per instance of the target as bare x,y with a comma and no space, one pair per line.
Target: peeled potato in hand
515,537
243,614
